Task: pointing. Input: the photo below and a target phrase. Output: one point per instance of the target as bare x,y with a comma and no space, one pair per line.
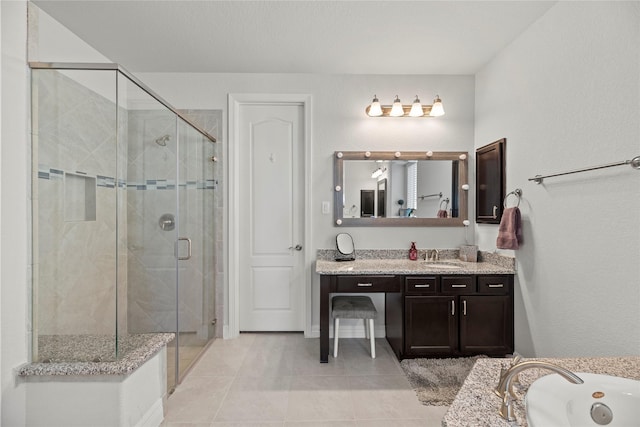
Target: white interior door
271,264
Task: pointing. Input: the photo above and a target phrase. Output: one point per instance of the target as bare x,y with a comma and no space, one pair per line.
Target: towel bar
634,163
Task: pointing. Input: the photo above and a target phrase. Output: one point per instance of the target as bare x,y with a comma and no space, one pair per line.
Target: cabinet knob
458,286
453,308
464,307
365,285
496,285
422,286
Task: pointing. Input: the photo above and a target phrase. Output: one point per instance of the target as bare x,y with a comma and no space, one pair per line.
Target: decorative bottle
413,252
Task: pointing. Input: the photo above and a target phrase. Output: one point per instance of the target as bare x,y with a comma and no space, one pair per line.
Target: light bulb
375,110
437,109
416,108
396,109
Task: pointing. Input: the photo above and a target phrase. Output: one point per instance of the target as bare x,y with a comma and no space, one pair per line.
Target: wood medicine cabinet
490,182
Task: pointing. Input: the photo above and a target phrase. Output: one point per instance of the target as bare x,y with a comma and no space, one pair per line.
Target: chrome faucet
432,255
505,391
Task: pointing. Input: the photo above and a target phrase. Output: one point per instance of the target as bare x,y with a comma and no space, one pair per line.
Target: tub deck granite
61,350
476,405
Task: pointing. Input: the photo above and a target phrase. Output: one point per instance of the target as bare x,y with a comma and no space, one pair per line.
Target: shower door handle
188,240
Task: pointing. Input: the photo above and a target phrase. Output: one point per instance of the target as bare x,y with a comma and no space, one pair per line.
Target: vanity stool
353,307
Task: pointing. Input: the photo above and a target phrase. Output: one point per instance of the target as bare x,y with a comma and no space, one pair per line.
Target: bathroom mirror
408,188
346,248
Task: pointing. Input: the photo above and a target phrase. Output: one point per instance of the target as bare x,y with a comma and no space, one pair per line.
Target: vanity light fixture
376,173
375,110
437,109
416,109
396,108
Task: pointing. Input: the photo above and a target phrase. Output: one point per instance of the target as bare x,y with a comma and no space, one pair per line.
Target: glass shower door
195,246
149,131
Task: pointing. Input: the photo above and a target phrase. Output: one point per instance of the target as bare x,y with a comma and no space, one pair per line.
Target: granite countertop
402,266
136,349
395,261
476,404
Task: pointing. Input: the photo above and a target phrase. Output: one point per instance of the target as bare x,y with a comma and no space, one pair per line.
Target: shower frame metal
36,65
117,67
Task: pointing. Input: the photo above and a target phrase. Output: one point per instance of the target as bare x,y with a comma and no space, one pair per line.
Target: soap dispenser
413,252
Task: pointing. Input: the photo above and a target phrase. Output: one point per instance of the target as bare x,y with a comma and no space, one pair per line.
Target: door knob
296,247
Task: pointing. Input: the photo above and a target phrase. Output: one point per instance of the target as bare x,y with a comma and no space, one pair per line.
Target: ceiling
335,37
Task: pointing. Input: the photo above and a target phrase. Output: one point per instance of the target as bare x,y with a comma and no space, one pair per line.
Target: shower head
162,141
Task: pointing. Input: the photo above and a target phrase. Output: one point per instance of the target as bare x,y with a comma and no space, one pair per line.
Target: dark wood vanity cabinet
486,325
456,315
430,329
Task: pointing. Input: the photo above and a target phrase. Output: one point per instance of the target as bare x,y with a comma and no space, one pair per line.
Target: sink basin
601,400
442,265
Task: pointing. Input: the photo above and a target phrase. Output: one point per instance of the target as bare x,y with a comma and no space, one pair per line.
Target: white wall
1,372
340,123
566,95
15,184
49,41
14,212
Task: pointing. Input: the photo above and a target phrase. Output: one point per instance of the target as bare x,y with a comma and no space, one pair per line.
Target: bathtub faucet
504,386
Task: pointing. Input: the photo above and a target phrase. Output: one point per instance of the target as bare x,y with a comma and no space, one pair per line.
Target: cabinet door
431,325
486,325
490,182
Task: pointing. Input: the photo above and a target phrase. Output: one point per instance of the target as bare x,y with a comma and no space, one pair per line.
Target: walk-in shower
123,196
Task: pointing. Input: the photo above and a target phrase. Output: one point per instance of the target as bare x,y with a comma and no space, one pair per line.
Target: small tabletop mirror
346,249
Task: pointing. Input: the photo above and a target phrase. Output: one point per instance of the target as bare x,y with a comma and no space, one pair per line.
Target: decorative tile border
51,174
105,181
47,173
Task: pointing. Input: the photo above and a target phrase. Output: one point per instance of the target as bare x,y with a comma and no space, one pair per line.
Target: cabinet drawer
421,285
494,285
457,284
368,284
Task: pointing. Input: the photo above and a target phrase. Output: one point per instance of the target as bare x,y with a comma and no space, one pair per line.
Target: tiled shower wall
152,194
75,231
75,199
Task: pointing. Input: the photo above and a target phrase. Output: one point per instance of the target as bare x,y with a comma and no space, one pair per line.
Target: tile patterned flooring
277,380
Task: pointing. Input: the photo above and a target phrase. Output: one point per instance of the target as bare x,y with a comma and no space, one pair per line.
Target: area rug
437,381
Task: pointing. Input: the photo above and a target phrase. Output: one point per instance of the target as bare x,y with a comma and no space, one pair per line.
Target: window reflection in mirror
410,189
381,199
